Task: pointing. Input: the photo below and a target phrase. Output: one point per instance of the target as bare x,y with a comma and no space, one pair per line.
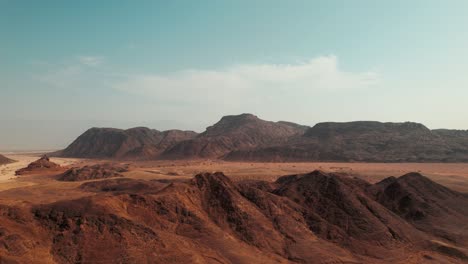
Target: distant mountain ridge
246,137
138,142
5,160
366,141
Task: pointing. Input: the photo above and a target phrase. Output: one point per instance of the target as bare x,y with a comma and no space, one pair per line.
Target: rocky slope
40,165
5,160
408,196
93,172
234,133
134,143
308,218
364,141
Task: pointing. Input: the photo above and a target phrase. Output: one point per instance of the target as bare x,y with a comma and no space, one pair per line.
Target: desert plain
74,218
42,187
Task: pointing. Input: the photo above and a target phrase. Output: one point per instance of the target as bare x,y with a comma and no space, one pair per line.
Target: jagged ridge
297,219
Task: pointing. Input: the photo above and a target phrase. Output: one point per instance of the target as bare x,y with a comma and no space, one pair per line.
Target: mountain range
246,137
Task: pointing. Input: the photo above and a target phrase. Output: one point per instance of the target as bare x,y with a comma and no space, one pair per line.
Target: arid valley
116,191
233,132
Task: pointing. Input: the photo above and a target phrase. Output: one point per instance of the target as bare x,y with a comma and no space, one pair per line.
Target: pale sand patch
7,171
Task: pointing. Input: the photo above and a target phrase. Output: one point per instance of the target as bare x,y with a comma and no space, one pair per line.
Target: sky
66,66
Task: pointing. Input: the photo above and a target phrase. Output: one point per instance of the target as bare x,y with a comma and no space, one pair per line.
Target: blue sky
69,65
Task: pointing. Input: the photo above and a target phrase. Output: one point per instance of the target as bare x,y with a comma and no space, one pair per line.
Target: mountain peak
207,179
412,176
41,164
244,116
237,119
231,122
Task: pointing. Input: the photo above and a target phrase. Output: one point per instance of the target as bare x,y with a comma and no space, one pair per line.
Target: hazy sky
69,65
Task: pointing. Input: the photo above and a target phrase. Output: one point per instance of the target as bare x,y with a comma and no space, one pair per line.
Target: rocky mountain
5,160
134,143
308,218
457,140
40,165
245,137
440,212
232,133
365,141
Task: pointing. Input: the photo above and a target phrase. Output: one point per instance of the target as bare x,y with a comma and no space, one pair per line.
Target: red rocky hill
309,218
40,165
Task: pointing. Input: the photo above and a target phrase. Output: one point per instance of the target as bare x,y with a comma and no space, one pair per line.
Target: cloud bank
273,91
249,82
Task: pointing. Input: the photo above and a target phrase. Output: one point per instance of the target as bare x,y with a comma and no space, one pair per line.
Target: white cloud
75,73
269,90
241,84
91,61
61,78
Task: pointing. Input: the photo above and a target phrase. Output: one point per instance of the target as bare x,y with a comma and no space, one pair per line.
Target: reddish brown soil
302,218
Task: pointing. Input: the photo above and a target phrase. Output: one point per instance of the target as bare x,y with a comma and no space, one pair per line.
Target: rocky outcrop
41,165
297,219
134,143
5,160
98,171
427,205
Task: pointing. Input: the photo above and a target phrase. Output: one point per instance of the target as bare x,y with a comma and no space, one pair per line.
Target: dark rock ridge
211,219
40,165
424,203
365,141
5,160
134,143
98,171
234,133
122,185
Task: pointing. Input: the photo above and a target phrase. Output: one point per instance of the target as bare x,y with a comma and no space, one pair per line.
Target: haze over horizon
67,66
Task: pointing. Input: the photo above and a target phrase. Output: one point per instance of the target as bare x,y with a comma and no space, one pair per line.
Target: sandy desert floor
31,190
44,188
452,175
7,171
